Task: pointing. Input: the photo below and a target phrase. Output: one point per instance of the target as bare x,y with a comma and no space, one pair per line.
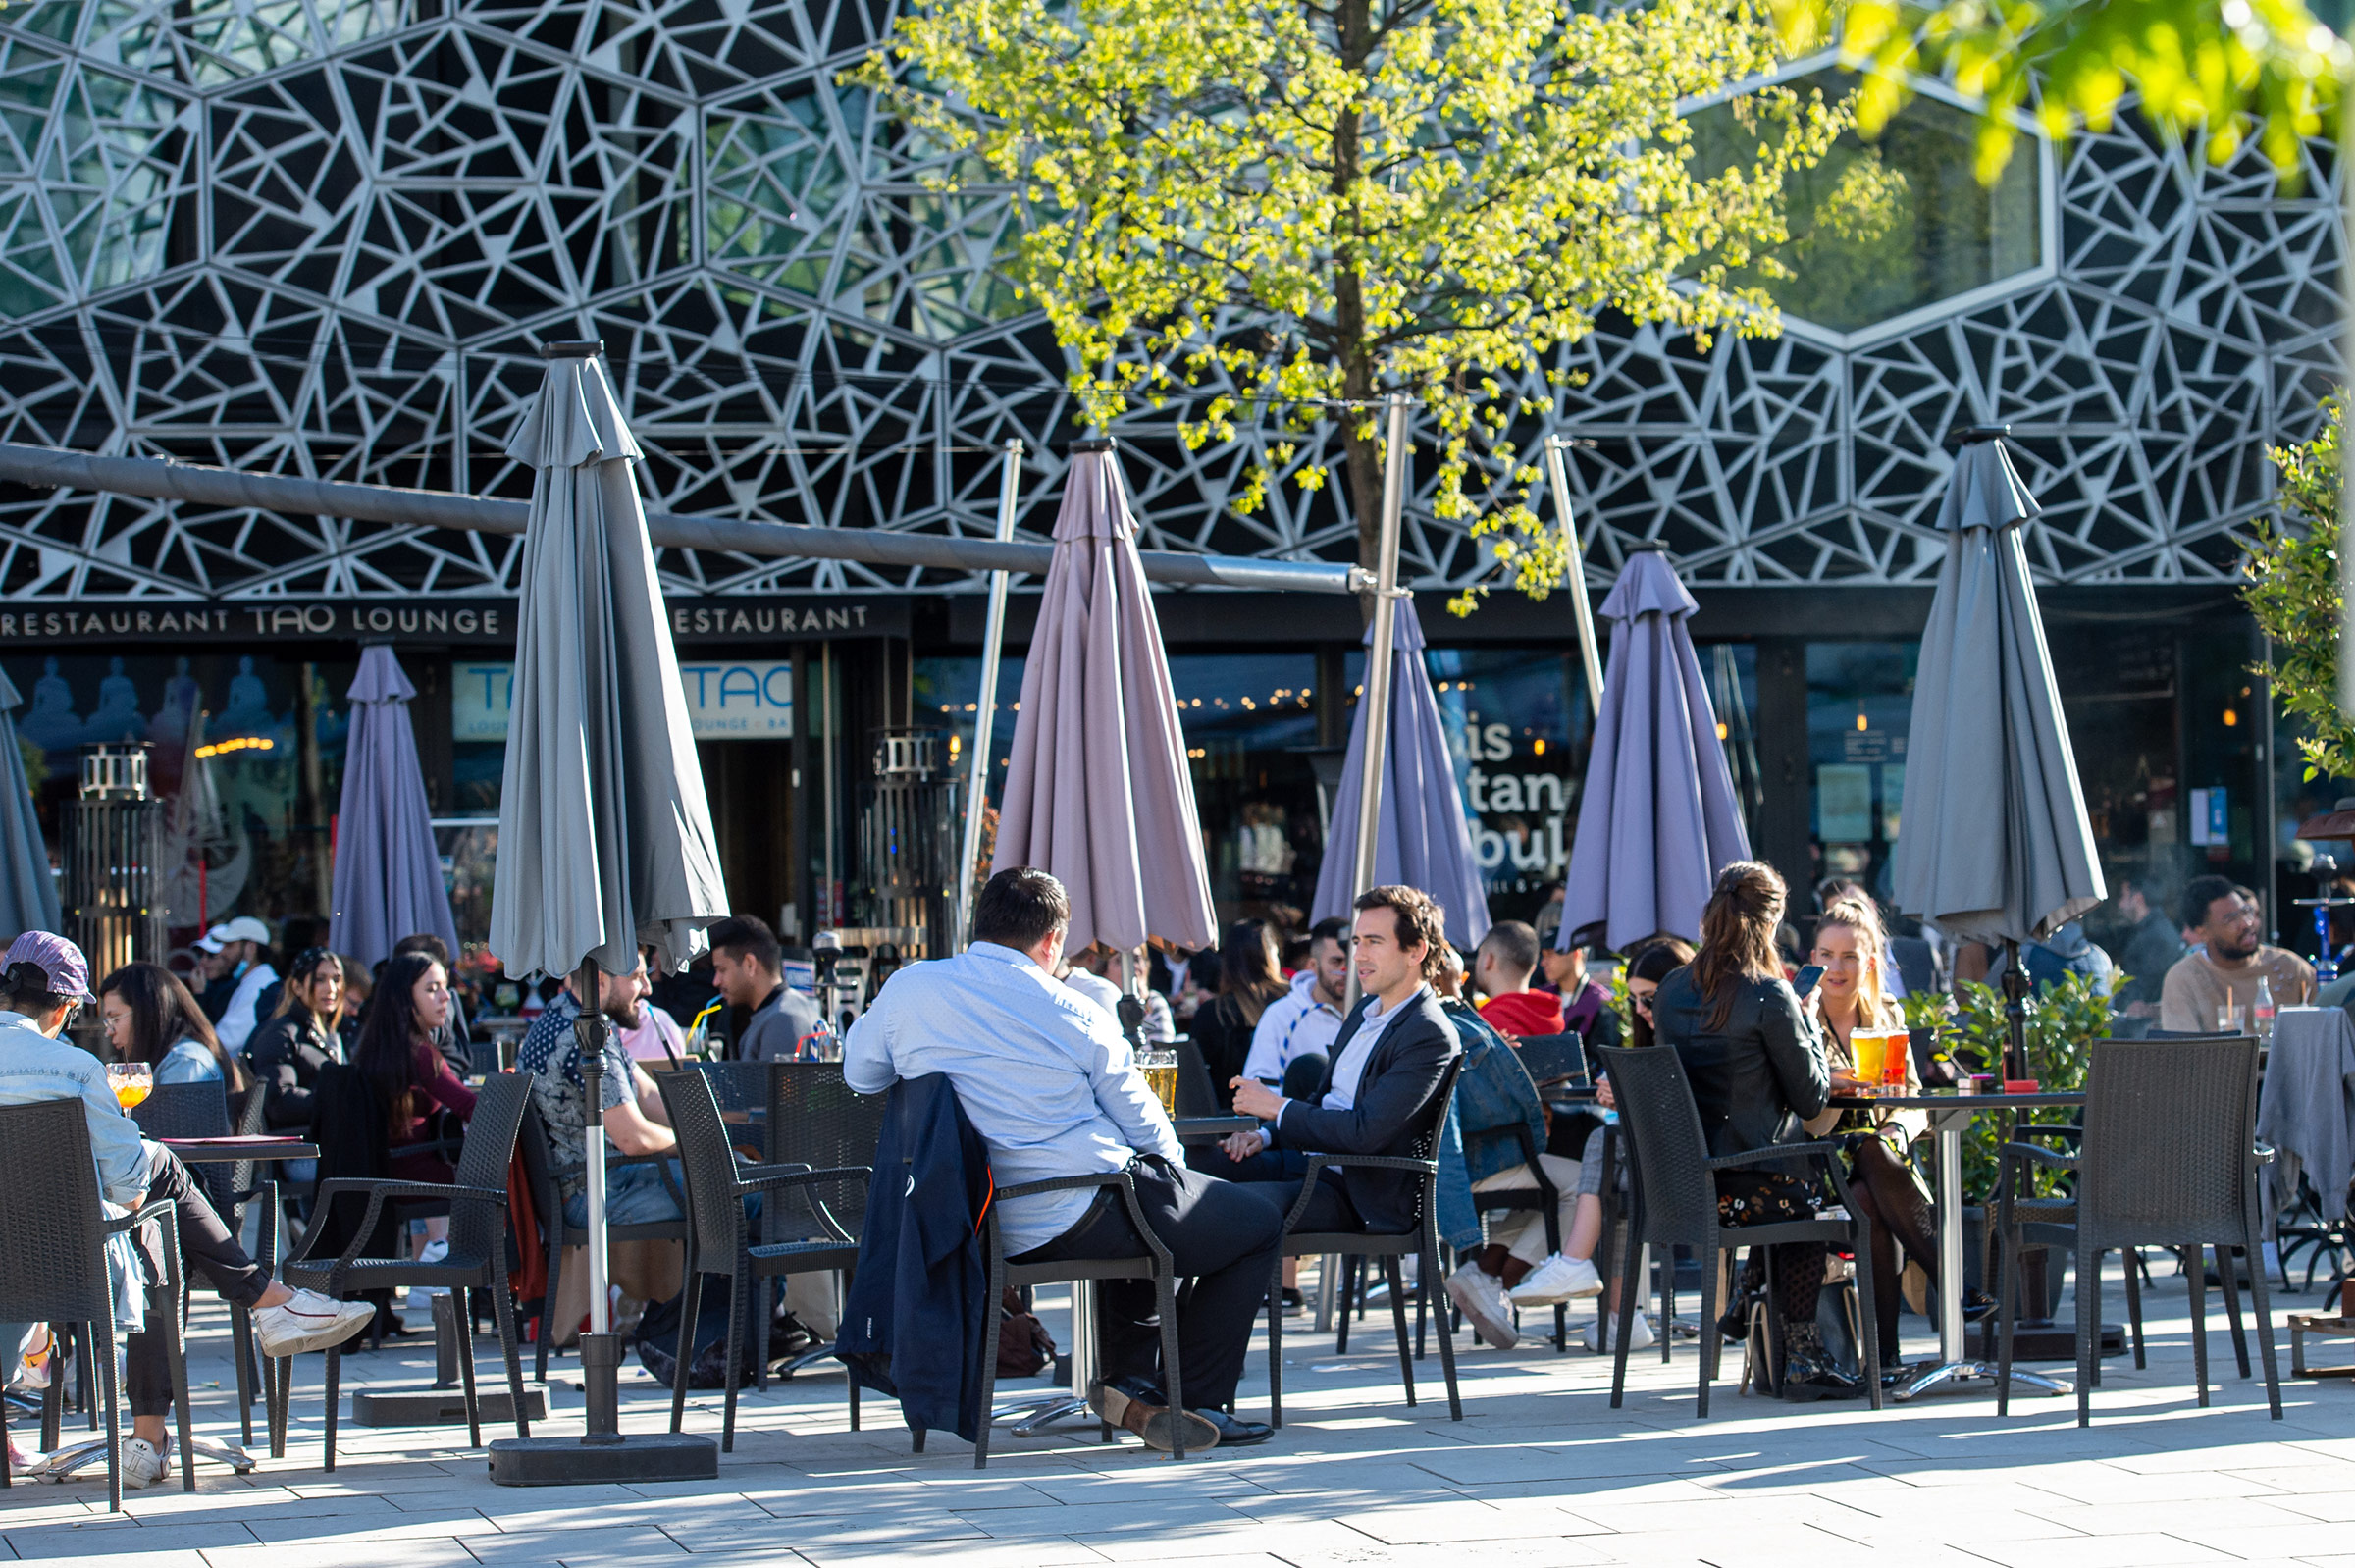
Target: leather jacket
1758,1078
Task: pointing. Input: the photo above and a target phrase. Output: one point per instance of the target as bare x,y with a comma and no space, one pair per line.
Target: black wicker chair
559,1234
200,1110
1542,1196
2167,1158
718,1238
478,1250
53,1231
1422,1240
1554,1059
1197,1095
818,1122
1674,1203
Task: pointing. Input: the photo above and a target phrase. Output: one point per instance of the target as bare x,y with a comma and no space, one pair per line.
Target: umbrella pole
2016,1011
1581,609
993,643
1376,757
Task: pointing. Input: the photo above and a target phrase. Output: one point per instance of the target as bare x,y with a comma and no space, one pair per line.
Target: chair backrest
490,1147
539,1165
1433,1116
2169,1151
1676,1200
713,1211
1197,1095
1554,1056
735,1085
817,1119
52,1230
183,1111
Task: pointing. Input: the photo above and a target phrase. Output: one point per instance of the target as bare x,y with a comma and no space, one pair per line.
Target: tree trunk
1359,384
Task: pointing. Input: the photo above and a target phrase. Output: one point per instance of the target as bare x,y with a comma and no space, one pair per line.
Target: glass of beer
1160,1069
1894,1059
1868,1046
131,1082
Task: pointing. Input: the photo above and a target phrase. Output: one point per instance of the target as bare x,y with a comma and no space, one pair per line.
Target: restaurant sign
445,620
727,699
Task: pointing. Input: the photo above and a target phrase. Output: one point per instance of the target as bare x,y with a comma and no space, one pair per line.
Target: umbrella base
577,1462
440,1407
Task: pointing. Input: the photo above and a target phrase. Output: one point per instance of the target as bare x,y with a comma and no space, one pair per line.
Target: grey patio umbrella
387,881
1097,789
604,836
27,890
1421,836
1994,844
1659,817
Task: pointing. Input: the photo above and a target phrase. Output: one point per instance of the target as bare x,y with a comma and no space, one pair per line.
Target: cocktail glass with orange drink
131,1082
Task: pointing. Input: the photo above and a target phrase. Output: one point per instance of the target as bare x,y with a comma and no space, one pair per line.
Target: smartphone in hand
1808,975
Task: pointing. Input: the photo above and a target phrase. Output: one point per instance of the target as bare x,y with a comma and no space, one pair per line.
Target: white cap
244,928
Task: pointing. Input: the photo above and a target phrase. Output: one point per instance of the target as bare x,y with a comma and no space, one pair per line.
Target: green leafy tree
2062,1022
2292,589
2214,71
1282,210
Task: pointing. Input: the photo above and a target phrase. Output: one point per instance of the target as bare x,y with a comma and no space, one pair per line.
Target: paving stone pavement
1539,1472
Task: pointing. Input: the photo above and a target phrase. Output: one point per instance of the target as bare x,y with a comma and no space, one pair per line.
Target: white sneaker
309,1322
1641,1339
1481,1298
1557,1279
143,1463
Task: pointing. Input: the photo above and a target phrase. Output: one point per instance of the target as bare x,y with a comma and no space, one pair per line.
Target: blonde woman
1852,948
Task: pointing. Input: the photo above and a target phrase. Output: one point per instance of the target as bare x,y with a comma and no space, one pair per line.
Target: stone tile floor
1541,1472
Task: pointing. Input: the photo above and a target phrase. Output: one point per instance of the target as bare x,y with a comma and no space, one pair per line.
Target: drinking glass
1896,1059
1160,1077
131,1082
1867,1045
2231,1019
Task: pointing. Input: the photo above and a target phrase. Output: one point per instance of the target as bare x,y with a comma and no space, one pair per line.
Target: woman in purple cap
44,980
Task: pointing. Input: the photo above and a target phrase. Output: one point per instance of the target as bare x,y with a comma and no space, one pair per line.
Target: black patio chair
1197,1095
719,1236
1541,1195
200,1110
2167,1158
53,1269
1554,1061
557,1234
816,1120
1422,1238
1674,1203
478,1250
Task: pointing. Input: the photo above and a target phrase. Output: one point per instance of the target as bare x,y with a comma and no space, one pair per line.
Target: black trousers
1221,1235
211,1255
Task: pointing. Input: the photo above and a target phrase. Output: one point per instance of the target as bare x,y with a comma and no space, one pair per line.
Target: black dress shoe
1810,1375
1294,1300
1977,1304
1233,1434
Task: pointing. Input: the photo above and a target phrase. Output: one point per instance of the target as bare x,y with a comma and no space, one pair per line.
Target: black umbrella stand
2015,1010
604,1453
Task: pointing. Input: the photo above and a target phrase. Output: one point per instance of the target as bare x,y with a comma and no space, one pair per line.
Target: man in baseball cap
44,979
239,952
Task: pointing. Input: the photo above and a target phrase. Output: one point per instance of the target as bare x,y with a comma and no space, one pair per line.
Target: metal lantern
114,861
908,837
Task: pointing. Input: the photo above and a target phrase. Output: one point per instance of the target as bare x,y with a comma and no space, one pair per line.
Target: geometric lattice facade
322,236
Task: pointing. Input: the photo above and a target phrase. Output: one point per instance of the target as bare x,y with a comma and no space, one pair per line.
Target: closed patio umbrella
1658,818
27,890
387,881
1422,838
604,837
1993,843
1097,789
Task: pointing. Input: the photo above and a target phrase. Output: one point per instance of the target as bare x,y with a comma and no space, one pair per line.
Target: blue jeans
635,1194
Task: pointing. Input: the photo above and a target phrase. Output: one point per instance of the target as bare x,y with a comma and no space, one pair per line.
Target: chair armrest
2051,1129
1773,1152
379,1192
1535,1165
1372,1162
2265,1152
144,1212
1071,1184
2044,1157
766,1177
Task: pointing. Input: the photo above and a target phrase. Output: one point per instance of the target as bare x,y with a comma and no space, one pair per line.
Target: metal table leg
1955,1365
1034,1413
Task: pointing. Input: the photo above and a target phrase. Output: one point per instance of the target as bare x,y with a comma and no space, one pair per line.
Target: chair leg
1710,1338
1275,1341
2195,1275
1352,1290
1430,1284
461,1297
175,1354
989,1351
548,1304
1667,1268
1172,1379
503,1313
280,1394
2228,1268
1868,1315
2089,1333
1627,1318
335,1372
240,1350
764,1312
2258,1292
735,1350
102,1343
1397,1283
2136,1270
53,1401
2007,1314
691,1304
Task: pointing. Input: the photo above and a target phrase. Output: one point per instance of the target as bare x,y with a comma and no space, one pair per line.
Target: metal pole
1584,612
994,642
827,913
2346,448
1375,760
600,1358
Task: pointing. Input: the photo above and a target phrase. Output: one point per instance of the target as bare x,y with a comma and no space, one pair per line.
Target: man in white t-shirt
246,942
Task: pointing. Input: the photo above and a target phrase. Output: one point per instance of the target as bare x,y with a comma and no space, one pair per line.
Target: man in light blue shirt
1052,1088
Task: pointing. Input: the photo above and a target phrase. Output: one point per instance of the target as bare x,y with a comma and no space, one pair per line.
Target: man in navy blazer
1386,1066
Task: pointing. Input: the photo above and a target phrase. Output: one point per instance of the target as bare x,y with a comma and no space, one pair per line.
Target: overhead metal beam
162,479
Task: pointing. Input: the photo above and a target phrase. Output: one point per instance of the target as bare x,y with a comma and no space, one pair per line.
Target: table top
1961,1102
1212,1126
201,1151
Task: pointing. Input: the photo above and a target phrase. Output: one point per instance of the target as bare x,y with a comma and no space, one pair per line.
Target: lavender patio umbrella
388,872
1421,837
1097,789
1995,845
27,891
1658,818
